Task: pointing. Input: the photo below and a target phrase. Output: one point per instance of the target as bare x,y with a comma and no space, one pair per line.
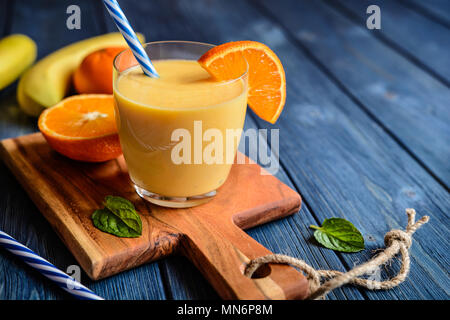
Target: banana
47,82
27,104
17,52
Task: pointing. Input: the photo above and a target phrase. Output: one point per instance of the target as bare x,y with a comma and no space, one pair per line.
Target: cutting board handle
220,250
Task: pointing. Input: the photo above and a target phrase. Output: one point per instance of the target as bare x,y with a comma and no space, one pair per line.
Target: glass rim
225,82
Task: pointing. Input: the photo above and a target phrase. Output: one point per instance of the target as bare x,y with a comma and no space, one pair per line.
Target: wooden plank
296,102
4,20
105,288
351,157
15,208
345,164
45,23
409,103
423,41
20,218
210,234
436,10
12,120
290,235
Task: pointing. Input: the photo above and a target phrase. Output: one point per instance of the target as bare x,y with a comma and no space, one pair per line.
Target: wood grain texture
353,169
420,39
44,22
210,234
4,12
436,10
291,235
347,161
371,188
408,102
16,207
350,168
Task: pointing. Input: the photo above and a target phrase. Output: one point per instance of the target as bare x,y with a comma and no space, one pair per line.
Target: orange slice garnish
266,78
82,127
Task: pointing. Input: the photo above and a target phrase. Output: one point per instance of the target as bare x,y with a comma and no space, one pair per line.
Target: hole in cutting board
262,272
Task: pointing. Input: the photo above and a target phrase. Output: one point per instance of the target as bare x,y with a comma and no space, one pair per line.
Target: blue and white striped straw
64,281
130,37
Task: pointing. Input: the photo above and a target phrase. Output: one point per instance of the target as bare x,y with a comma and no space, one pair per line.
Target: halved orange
266,78
82,127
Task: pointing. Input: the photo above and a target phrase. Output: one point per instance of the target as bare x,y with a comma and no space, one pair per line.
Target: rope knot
398,235
338,278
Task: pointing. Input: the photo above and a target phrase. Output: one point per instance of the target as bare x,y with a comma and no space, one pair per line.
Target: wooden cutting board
210,235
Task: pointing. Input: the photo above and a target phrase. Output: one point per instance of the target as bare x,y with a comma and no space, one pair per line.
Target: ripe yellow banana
17,52
47,82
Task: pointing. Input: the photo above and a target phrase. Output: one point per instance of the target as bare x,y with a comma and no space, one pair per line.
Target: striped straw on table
64,281
130,37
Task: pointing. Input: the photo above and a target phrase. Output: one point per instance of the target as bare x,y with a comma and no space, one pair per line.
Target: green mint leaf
125,211
340,235
106,221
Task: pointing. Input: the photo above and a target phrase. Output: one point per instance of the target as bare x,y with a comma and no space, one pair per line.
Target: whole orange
94,74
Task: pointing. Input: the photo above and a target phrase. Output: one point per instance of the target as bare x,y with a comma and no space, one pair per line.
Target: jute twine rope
395,240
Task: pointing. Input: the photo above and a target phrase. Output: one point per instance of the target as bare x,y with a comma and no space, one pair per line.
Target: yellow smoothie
149,110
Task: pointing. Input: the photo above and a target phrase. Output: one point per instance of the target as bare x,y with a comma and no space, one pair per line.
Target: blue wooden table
365,133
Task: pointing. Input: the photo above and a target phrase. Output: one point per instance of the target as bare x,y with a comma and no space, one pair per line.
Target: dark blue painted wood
4,10
291,235
347,170
12,121
177,270
437,10
342,161
345,165
412,105
44,21
422,40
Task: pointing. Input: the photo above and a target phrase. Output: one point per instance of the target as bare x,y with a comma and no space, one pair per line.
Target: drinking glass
155,120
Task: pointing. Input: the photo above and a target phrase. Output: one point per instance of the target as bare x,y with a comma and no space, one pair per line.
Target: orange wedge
82,127
266,78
